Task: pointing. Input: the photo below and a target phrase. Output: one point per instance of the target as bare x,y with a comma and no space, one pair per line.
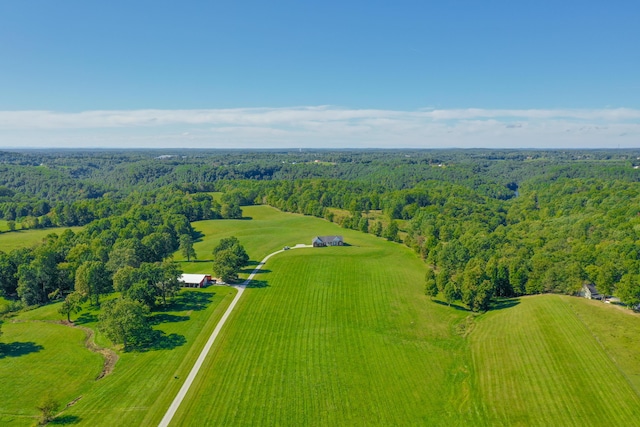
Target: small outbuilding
589,291
321,241
196,280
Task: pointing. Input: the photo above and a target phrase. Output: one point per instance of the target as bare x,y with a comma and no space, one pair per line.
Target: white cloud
323,126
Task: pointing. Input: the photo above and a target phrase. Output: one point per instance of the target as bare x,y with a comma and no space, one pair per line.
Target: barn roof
192,278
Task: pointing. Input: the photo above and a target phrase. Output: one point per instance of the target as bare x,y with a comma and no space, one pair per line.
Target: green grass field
27,238
335,337
346,337
140,388
538,363
339,336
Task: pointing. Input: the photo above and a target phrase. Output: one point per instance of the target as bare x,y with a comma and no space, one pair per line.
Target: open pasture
263,231
37,358
538,363
28,238
339,336
142,385
335,336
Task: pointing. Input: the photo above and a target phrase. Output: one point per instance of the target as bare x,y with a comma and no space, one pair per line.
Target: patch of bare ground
73,402
110,356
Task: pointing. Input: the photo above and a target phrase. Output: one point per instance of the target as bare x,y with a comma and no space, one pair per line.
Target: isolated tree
48,407
125,322
186,247
430,286
226,265
71,304
12,225
229,257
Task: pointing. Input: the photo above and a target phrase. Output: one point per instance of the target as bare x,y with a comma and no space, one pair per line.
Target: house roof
327,239
592,289
192,278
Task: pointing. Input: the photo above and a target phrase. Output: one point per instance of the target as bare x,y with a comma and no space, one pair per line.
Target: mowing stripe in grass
537,364
205,351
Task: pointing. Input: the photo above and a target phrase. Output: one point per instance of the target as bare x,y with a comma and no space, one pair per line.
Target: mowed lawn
27,238
52,357
332,336
40,358
263,231
537,363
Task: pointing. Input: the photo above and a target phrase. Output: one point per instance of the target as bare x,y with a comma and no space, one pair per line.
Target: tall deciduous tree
125,322
71,304
186,247
430,286
229,257
92,280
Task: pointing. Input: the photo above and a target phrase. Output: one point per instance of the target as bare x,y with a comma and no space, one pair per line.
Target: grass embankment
27,238
537,363
140,387
330,336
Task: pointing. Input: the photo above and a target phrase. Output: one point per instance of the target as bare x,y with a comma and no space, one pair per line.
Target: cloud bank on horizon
322,127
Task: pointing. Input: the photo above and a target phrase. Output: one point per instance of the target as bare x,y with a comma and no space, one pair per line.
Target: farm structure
196,280
589,291
320,241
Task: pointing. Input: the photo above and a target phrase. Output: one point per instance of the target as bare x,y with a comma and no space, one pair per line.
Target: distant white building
196,280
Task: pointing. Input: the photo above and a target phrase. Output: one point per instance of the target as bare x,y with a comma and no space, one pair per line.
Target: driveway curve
168,416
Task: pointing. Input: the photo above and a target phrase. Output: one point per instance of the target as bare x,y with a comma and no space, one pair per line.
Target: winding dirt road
168,416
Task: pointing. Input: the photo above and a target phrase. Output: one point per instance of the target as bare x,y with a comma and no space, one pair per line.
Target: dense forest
489,223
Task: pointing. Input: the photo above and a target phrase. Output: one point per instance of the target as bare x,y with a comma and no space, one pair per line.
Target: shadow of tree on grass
17,349
190,300
501,304
65,420
250,270
258,284
157,340
158,318
455,306
85,318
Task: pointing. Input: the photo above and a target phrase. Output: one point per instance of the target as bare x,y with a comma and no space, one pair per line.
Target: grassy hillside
27,238
537,363
345,336
52,357
37,358
337,336
332,336
263,231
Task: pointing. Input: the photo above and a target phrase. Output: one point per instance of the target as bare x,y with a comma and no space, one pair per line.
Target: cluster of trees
488,222
128,253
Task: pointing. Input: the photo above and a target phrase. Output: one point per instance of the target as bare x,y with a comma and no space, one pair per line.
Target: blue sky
321,74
